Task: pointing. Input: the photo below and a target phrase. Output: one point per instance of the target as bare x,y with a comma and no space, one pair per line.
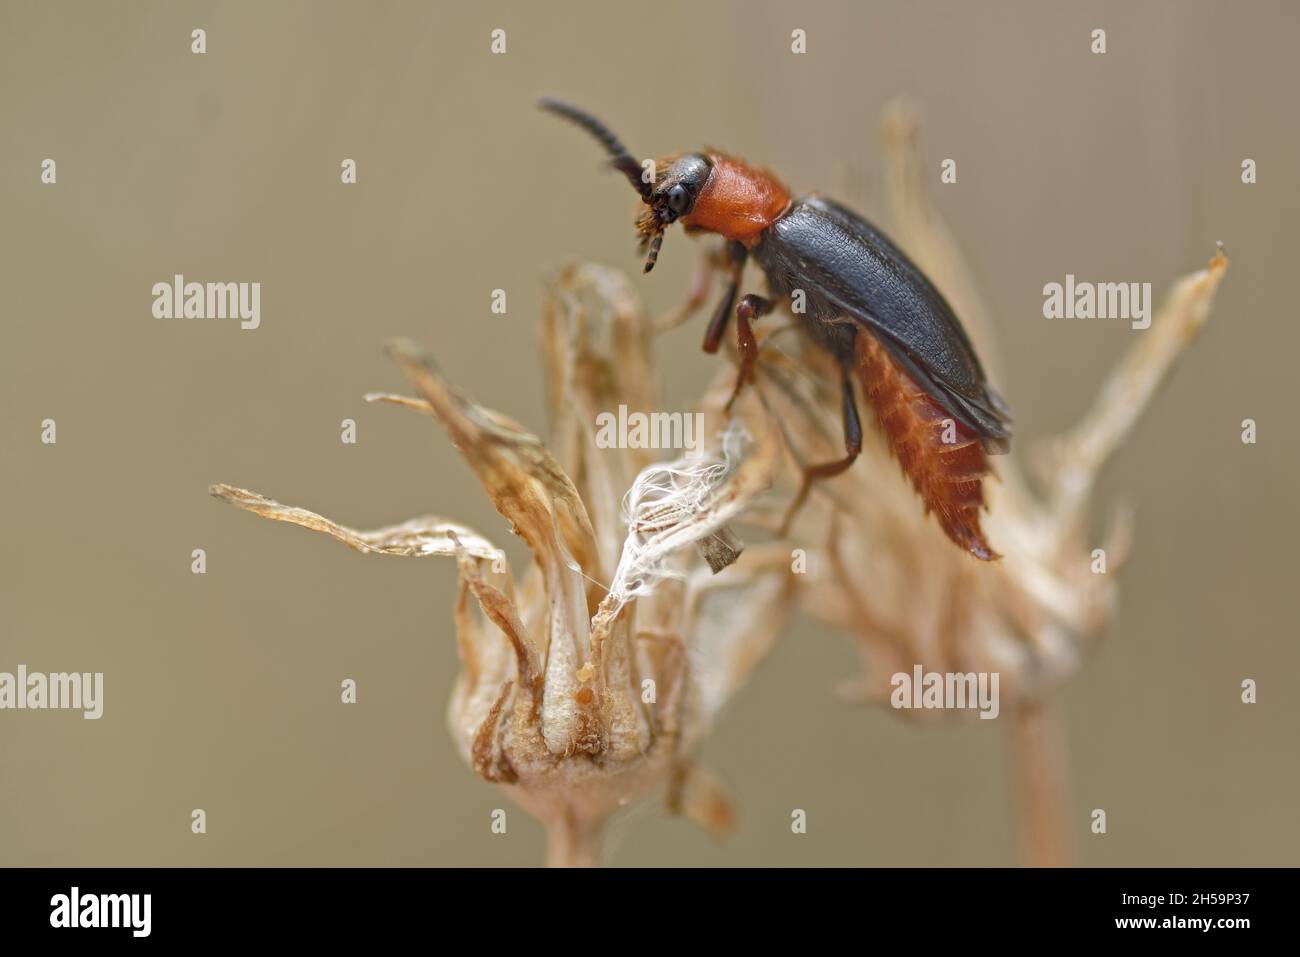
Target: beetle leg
734,256
711,261
852,444
751,307
721,315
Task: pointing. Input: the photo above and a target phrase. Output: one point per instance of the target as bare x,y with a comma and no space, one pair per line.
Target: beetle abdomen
947,475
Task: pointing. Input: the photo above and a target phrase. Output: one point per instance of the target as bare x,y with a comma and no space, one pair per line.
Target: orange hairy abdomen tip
947,475
738,201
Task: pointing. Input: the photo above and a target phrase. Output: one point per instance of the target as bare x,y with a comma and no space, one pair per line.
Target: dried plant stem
1038,750
573,841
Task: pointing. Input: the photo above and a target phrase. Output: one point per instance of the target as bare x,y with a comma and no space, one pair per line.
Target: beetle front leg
735,254
713,260
751,307
721,316
852,444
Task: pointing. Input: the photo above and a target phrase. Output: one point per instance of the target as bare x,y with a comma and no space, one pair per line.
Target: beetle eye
679,199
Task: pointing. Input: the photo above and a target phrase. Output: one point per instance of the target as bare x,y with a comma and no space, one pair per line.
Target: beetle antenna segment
655,243
620,158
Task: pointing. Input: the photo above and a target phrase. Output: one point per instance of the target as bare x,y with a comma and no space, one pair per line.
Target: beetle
866,302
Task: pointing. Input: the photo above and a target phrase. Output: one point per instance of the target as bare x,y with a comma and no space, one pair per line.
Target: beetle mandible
867,303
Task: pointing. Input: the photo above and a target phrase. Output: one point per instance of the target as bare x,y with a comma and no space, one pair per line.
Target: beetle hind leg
852,444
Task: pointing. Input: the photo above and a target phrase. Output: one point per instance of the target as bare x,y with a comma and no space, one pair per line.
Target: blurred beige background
222,689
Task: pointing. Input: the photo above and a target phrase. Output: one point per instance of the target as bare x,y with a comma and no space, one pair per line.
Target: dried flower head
592,680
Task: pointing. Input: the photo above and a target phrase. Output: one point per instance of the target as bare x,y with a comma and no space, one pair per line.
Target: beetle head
668,196
677,184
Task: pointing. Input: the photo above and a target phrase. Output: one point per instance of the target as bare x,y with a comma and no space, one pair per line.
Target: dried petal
416,538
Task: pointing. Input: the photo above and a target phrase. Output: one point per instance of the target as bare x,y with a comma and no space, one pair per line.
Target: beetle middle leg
751,307
852,445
